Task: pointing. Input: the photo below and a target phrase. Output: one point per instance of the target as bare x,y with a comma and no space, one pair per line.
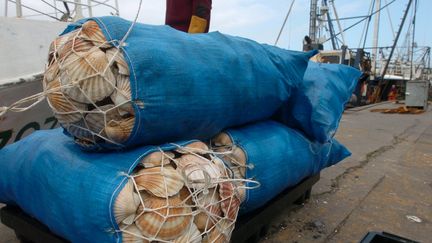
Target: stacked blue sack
270,127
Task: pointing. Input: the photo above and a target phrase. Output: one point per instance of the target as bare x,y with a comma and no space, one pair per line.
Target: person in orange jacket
192,16
392,96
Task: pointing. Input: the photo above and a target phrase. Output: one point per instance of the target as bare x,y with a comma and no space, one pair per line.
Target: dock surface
386,185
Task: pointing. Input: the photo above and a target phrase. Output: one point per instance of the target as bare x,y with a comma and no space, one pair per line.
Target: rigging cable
356,23
283,24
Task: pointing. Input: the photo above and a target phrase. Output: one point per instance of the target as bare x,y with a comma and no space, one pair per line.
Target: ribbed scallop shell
221,233
199,171
157,158
209,208
79,129
84,70
241,191
239,156
192,235
131,234
240,159
73,44
126,203
159,222
160,181
52,72
122,95
96,121
222,139
220,164
60,103
90,30
119,131
86,145
196,147
119,60
230,203
58,43
236,161
186,196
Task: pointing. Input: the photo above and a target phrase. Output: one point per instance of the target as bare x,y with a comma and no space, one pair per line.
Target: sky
262,20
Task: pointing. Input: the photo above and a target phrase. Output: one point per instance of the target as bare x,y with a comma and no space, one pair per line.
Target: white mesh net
87,86
185,195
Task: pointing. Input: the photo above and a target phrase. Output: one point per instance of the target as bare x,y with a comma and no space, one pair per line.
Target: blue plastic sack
279,157
70,191
188,86
317,105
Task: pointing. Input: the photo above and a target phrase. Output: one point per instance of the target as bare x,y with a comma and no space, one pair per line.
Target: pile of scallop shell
87,86
184,195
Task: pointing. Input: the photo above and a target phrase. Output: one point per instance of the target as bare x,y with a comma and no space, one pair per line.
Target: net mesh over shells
189,194
87,86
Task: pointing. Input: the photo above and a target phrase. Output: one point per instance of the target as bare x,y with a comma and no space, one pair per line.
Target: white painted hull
15,126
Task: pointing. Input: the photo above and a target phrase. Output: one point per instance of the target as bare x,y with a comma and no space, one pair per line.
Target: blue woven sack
68,190
317,105
188,86
279,157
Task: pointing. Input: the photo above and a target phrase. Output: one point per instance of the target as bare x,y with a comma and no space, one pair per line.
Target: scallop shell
84,70
238,172
119,131
157,159
160,181
57,43
79,129
186,196
119,60
222,139
52,72
237,161
198,171
159,222
90,30
96,121
192,235
230,203
73,44
122,95
239,156
131,234
59,103
196,147
126,203
241,191
221,233
86,145
221,166
209,209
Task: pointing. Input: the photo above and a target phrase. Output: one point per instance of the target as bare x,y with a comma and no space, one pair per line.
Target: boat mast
341,30
18,8
313,21
413,39
381,82
375,37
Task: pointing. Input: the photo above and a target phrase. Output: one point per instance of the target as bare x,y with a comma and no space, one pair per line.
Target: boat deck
386,185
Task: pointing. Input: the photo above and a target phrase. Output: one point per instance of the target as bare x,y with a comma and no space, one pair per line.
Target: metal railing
61,10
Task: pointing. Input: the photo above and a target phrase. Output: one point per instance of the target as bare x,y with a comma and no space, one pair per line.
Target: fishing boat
25,40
